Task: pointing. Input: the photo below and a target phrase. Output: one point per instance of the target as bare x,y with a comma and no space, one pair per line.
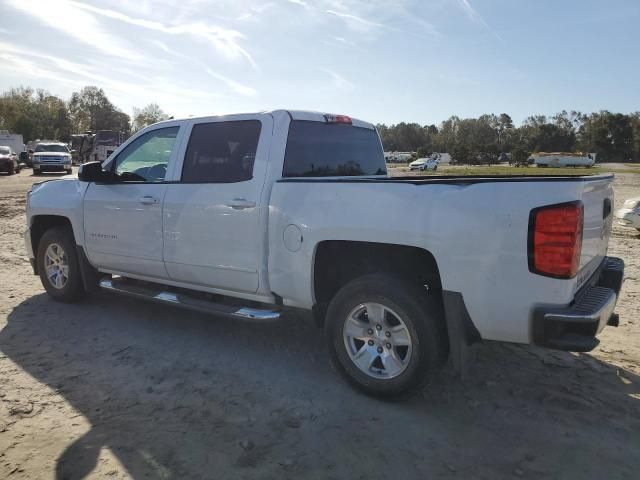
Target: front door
212,231
123,218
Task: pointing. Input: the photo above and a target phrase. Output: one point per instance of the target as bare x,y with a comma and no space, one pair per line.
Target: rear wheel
58,265
11,170
386,335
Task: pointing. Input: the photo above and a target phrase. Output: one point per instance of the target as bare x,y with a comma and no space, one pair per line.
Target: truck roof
307,115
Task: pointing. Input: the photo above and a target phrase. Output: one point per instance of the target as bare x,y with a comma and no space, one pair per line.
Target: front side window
146,158
221,152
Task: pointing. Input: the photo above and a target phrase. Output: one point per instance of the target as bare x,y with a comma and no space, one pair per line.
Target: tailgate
597,199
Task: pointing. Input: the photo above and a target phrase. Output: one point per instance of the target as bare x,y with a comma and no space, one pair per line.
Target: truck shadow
176,394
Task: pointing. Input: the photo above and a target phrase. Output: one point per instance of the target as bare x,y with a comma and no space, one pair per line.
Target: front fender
61,198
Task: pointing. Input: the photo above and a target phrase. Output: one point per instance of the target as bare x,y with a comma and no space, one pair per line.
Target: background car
424,164
51,157
629,214
8,161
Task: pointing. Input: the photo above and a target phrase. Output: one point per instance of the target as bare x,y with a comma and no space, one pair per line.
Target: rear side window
316,149
221,152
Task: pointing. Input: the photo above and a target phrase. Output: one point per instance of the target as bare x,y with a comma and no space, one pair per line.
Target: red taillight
555,239
338,119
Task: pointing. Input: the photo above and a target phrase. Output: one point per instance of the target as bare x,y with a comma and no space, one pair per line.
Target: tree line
37,114
615,137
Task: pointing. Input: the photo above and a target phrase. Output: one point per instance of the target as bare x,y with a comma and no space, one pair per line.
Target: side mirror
92,172
30,151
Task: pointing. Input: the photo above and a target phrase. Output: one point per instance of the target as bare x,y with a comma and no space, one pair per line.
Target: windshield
76,141
317,149
5,150
107,138
52,148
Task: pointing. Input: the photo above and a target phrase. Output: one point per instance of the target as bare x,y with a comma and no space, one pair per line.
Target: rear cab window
318,149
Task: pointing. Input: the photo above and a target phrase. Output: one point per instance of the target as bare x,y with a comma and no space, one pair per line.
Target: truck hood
67,182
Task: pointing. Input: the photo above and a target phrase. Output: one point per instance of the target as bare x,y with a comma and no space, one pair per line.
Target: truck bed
453,179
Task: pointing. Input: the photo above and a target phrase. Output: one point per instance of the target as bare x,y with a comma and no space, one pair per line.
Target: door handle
240,204
148,200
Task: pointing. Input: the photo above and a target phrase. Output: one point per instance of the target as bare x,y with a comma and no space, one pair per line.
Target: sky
383,61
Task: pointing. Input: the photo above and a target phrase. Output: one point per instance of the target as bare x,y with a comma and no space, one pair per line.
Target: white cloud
302,3
475,16
66,17
224,40
32,64
356,21
237,87
338,80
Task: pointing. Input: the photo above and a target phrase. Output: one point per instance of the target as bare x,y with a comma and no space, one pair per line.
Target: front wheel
58,265
386,335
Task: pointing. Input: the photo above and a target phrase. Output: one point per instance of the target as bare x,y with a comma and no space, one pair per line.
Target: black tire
423,316
36,172
72,290
69,172
11,170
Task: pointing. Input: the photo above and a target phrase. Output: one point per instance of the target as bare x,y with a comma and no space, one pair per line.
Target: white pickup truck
251,216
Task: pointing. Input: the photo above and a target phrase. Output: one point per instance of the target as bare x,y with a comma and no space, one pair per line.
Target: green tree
461,155
36,114
90,109
520,155
610,135
143,117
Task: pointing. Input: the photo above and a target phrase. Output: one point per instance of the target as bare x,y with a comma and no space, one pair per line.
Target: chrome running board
182,300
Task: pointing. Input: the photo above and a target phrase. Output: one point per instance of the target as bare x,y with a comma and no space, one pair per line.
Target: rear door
597,199
123,220
212,231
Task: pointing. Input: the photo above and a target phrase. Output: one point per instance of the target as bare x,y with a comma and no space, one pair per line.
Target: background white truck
251,216
563,159
13,140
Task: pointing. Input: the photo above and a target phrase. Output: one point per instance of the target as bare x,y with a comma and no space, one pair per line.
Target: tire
69,172
11,170
36,172
62,243
409,313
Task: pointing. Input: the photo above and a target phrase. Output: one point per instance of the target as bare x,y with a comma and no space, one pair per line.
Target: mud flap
89,274
461,330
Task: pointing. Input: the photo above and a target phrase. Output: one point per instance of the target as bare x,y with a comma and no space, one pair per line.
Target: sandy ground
117,388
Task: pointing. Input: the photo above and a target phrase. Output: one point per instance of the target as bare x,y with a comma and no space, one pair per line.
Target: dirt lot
121,389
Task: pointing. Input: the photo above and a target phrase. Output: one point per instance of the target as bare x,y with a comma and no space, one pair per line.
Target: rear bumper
574,328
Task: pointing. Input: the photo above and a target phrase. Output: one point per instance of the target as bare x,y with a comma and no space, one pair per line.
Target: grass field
507,170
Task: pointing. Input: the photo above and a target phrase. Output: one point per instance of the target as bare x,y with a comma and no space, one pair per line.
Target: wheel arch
41,223
337,262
